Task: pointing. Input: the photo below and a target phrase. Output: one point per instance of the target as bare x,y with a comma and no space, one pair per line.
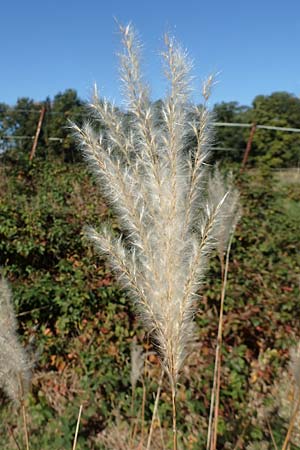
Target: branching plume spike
170,216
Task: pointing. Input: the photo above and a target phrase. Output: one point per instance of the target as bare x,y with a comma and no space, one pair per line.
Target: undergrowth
67,304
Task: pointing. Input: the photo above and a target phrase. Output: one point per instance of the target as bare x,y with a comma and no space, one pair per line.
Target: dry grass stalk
232,220
170,217
272,435
155,410
137,366
24,413
77,428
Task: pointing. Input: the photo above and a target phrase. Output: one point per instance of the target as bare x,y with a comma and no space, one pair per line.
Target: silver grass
217,188
14,364
171,214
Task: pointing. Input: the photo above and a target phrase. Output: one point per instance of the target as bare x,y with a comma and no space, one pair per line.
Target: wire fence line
38,111
7,140
12,138
250,125
216,124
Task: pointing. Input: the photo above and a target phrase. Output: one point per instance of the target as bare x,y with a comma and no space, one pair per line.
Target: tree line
270,148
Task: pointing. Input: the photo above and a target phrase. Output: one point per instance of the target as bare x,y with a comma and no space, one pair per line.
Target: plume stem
291,425
24,415
215,397
155,408
174,414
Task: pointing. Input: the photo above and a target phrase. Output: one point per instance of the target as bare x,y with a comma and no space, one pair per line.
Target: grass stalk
143,411
211,412
215,397
174,416
239,442
23,408
291,425
272,435
161,432
141,414
24,415
155,409
134,419
134,431
77,428
11,432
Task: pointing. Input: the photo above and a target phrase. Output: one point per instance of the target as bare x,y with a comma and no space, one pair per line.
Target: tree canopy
277,148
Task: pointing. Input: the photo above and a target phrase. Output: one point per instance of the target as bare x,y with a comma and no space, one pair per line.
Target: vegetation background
82,326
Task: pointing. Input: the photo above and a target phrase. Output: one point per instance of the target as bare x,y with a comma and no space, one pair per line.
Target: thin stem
215,399
291,425
212,403
272,435
155,408
141,413
132,413
241,437
134,432
24,416
161,433
173,387
143,410
25,425
77,428
132,400
11,432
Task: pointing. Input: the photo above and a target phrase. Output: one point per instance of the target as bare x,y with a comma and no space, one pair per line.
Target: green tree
276,148
4,113
65,106
232,139
21,121
3,116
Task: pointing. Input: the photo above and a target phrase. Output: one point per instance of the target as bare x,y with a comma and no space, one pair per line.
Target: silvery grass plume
170,215
14,364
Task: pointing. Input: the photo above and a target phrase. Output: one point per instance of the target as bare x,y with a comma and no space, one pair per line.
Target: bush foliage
81,326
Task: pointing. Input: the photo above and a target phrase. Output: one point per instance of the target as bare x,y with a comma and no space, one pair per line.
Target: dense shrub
82,326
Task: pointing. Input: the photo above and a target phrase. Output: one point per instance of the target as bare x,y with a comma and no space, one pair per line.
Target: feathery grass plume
218,186
14,364
158,190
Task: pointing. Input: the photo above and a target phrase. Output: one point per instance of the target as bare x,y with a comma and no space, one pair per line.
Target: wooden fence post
248,147
37,133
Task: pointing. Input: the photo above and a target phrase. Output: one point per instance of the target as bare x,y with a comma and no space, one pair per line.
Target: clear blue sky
49,46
